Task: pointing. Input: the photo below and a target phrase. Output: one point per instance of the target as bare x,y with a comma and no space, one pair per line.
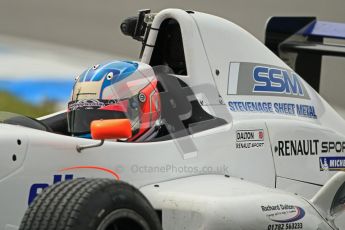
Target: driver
116,90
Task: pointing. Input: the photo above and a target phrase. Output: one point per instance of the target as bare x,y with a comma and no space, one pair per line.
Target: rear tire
90,204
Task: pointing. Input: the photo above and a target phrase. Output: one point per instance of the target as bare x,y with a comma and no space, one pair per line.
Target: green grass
10,103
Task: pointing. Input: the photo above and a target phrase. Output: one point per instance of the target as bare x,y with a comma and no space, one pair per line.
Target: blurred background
45,44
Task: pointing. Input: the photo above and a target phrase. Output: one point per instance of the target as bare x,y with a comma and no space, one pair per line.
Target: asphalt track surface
37,71
94,24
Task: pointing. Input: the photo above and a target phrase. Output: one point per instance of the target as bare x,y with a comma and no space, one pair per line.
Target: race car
243,142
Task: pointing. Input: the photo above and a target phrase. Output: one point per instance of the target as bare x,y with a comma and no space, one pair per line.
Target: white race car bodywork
287,148
201,203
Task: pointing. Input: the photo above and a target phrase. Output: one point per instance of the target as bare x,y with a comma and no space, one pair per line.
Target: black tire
90,204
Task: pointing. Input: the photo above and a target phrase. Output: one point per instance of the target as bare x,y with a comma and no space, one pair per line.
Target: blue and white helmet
115,90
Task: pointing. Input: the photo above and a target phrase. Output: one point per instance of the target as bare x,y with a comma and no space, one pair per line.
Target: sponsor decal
90,104
297,148
250,135
300,110
286,216
257,79
287,226
308,147
307,111
275,80
247,106
249,138
37,188
332,163
336,146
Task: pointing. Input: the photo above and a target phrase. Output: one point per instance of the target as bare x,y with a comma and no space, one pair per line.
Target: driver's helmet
115,90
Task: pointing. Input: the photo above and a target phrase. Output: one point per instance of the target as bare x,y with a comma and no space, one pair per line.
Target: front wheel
91,204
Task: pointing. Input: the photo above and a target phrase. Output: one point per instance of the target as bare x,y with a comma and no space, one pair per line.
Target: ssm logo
274,80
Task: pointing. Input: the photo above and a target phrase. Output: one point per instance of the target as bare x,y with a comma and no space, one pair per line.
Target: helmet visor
80,117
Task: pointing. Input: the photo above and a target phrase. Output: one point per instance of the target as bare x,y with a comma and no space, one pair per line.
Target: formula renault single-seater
244,141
